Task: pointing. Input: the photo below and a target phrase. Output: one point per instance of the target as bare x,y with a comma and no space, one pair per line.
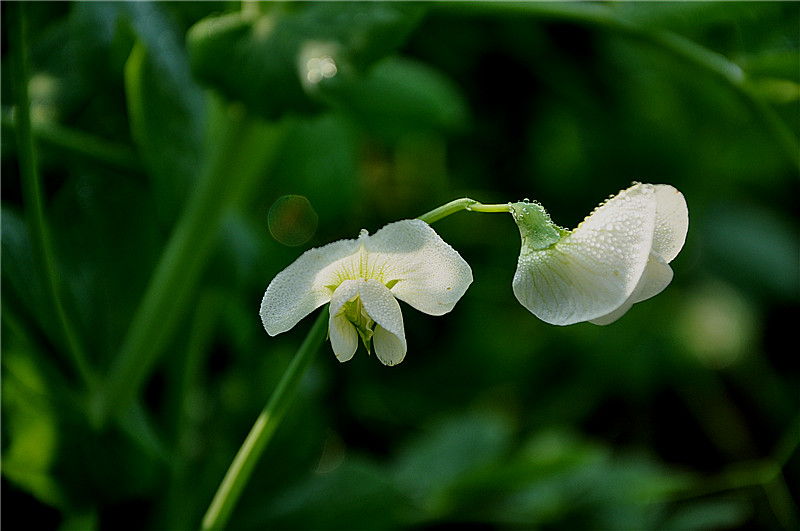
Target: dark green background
682,415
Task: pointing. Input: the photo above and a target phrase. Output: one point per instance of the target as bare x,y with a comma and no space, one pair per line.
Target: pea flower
362,279
616,257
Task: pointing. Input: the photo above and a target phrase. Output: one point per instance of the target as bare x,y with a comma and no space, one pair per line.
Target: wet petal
343,335
657,276
595,269
389,335
672,222
420,268
384,309
301,288
389,348
344,338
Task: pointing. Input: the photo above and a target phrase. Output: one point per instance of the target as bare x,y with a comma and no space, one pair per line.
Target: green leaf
30,428
445,456
167,109
774,64
107,238
754,247
262,61
356,495
22,290
709,514
400,96
319,162
778,91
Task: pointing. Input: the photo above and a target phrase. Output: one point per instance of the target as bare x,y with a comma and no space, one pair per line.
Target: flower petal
299,289
344,339
594,269
389,348
343,335
420,268
657,276
384,309
672,222
389,335
622,309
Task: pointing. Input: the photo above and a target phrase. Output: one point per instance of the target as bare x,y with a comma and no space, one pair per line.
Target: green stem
242,149
458,205
71,142
260,434
764,473
175,506
32,188
498,208
604,16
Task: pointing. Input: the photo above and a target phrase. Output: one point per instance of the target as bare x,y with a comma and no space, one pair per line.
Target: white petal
383,308
343,335
657,276
672,222
389,348
421,268
344,338
389,335
300,288
595,269
623,309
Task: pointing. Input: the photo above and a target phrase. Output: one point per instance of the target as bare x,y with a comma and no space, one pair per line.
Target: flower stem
457,205
260,434
73,143
32,190
480,207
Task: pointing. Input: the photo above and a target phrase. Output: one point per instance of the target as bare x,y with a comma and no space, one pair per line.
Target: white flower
362,279
616,257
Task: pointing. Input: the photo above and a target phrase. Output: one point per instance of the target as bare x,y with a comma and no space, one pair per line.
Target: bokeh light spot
292,220
717,325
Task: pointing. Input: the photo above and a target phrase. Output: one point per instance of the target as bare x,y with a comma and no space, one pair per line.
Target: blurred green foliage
163,135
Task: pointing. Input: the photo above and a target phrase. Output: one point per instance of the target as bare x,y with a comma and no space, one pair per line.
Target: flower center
355,312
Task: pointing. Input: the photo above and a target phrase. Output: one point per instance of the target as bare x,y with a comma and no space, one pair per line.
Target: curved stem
458,205
604,16
766,474
32,188
480,207
260,434
71,142
445,210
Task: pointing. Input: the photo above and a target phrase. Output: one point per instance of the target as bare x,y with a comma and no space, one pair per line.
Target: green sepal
535,226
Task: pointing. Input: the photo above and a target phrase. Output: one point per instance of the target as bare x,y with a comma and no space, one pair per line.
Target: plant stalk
32,189
261,433
458,205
